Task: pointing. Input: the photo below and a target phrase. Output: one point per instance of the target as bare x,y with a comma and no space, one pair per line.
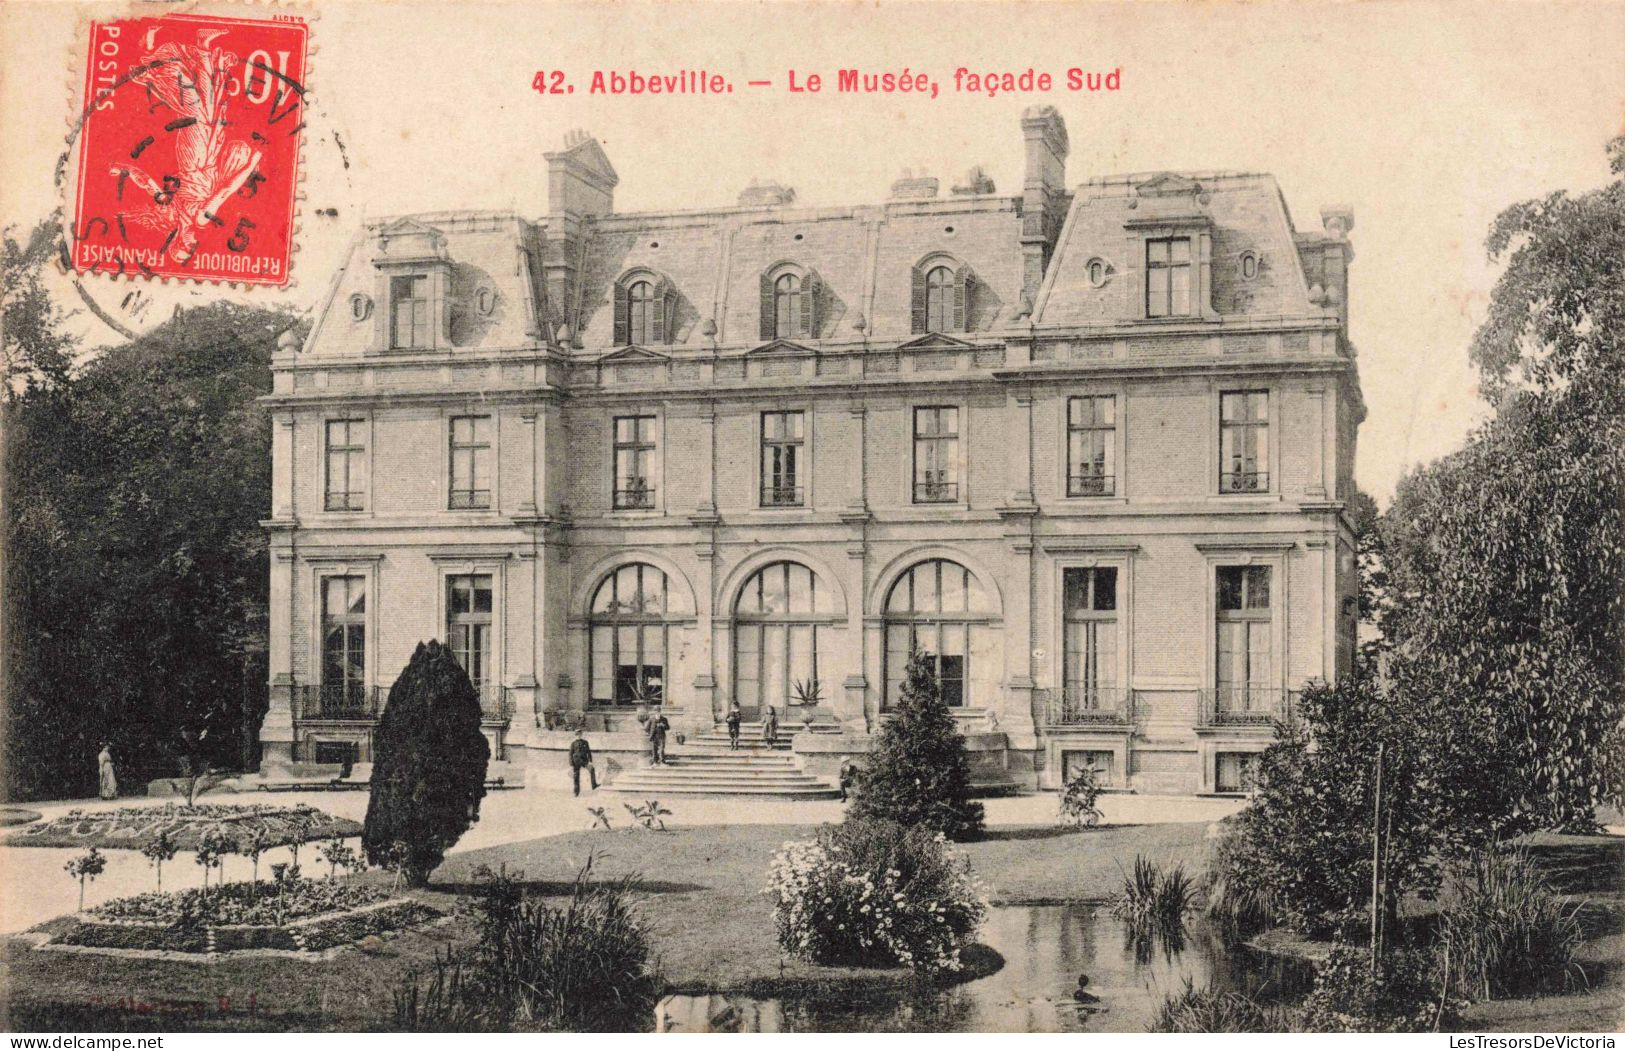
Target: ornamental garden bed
292,915
132,828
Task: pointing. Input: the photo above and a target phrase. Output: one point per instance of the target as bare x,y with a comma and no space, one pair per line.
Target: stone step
739,760
653,787
703,789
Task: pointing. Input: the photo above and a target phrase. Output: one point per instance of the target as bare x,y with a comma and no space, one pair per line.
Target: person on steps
770,726
734,719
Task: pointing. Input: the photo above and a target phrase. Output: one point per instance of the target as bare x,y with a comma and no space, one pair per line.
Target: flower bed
132,828
296,915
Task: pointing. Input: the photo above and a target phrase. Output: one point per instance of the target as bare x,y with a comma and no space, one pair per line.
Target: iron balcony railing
1244,482
781,496
346,501
350,702
470,499
933,491
1242,705
1092,706
1090,485
345,701
636,495
496,702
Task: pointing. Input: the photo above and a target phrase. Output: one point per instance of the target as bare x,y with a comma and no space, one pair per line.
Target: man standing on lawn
581,757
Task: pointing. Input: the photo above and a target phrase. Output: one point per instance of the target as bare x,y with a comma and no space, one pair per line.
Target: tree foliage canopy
135,573
919,772
428,773
1504,563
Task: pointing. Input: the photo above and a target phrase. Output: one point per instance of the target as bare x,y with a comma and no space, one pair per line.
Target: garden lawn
700,889
713,925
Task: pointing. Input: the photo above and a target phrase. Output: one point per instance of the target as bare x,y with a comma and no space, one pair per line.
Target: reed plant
1503,932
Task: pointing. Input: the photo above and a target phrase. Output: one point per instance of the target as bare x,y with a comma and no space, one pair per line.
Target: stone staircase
705,765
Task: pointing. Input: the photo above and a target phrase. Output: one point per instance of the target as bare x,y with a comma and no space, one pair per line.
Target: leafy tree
1303,846
36,354
919,772
1506,560
428,773
136,575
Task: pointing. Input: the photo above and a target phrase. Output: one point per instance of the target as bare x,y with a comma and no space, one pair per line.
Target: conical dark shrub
919,772
428,773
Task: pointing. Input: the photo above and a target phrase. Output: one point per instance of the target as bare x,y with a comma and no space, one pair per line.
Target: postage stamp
189,148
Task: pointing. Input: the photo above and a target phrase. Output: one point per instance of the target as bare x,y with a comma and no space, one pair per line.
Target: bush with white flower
875,893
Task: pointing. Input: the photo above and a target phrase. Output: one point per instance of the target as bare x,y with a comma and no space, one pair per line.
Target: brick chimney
580,180
580,185
1044,198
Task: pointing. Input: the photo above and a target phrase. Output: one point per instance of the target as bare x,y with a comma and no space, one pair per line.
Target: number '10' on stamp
188,142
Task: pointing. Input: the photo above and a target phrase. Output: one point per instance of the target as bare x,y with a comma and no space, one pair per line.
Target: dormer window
1168,277
939,299
641,314
645,309
942,296
789,306
409,312
787,294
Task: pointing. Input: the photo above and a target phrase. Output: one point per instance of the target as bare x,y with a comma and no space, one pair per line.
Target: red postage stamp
189,141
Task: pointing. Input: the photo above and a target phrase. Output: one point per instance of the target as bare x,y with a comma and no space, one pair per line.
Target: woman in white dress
108,781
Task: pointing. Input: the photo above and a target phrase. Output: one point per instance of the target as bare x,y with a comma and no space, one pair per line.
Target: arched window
939,608
939,300
787,295
646,306
640,301
778,620
941,297
630,628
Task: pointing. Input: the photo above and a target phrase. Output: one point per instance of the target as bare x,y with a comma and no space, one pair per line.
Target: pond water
1045,948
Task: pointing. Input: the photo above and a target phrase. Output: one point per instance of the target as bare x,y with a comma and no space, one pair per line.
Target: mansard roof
863,256
1110,216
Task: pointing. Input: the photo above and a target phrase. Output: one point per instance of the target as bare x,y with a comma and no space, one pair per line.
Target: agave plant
600,817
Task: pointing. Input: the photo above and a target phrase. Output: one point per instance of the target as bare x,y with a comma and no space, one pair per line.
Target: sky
1426,118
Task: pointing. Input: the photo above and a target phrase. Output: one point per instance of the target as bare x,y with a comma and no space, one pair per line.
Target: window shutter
809,305
668,299
766,308
622,311
917,310
657,330
963,284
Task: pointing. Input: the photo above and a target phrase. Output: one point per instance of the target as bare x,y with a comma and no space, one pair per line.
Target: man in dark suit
581,757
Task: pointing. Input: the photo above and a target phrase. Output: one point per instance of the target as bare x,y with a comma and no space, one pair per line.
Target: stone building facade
1087,445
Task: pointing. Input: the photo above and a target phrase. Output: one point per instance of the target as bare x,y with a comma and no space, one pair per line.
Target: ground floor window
1102,762
343,753
1234,771
629,637
939,608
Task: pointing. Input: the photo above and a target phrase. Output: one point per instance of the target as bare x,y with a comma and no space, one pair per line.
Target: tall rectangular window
1244,661
936,455
344,645
468,624
1168,277
1244,441
1091,445
1089,657
346,465
409,312
470,462
782,444
634,463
